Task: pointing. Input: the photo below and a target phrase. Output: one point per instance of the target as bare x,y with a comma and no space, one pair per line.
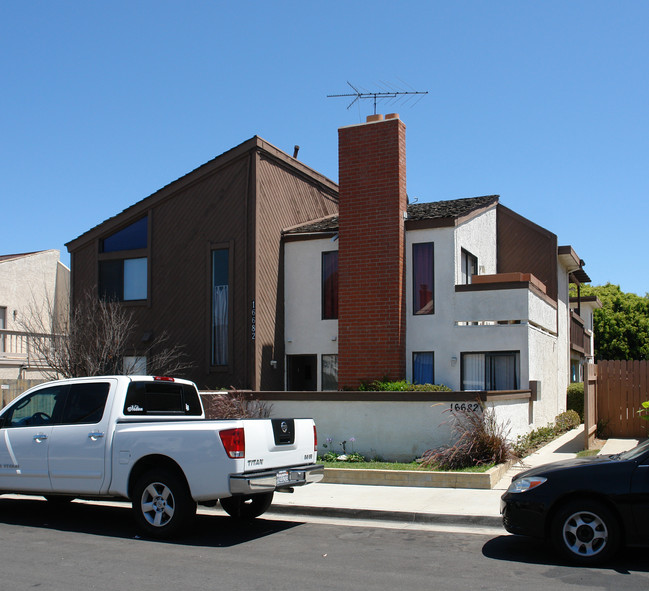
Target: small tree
93,338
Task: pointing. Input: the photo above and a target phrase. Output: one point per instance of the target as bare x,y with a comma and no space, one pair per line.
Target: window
220,305
423,367
3,326
423,289
123,279
85,403
491,371
43,407
134,365
329,372
161,398
469,266
330,285
133,237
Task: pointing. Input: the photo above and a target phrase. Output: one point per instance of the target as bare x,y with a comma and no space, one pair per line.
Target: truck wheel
162,504
247,506
585,532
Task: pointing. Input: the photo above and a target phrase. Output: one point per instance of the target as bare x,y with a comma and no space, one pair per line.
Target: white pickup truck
146,439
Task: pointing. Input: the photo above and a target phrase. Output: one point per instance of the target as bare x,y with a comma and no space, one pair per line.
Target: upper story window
330,285
423,285
469,266
121,278
132,237
220,306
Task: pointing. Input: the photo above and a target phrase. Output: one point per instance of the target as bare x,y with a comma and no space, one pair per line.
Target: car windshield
636,452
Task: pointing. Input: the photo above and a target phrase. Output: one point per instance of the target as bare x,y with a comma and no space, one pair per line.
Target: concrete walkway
468,507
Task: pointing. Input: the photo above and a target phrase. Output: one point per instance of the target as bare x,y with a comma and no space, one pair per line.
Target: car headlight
526,483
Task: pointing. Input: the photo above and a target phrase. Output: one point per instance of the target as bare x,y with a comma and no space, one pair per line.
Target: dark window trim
486,353
464,253
413,365
322,287
415,312
139,253
212,246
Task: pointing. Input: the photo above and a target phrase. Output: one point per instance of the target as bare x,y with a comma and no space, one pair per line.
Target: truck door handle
95,435
40,437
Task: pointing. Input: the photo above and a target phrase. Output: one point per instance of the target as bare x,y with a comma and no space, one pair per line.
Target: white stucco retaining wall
394,431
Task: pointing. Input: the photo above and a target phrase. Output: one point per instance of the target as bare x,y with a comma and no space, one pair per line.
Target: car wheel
247,506
162,504
586,532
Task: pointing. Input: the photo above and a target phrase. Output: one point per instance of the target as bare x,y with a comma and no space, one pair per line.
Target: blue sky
543,103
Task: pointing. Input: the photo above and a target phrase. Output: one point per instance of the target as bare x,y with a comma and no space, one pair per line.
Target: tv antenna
388,93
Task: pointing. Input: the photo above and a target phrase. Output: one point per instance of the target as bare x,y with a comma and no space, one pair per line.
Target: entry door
77,454
302,372
25,439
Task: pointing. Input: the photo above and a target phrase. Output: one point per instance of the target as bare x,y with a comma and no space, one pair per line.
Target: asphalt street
95,546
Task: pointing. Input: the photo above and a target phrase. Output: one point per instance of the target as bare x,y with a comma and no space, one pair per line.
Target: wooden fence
590,404
621,388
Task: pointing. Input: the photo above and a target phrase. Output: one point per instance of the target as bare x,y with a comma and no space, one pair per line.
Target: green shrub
575,399
385,385
566,421
530,442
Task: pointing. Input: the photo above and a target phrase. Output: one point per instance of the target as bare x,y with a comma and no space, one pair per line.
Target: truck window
42,407
85,403
161,398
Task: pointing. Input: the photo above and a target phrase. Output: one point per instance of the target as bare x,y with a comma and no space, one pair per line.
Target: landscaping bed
423,478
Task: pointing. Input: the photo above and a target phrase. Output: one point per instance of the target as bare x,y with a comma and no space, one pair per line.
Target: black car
587,507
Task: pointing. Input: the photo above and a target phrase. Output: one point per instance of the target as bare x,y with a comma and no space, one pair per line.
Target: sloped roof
142,206
11,257
450,209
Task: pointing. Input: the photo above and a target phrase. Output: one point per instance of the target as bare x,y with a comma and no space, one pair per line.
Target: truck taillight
315,439
234,442
163,379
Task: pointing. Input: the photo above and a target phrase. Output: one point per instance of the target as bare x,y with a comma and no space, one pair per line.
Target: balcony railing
19,347
580,338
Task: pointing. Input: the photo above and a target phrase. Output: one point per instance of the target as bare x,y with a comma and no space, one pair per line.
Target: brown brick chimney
371,262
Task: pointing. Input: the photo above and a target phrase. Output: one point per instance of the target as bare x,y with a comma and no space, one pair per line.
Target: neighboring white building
30,283
485,298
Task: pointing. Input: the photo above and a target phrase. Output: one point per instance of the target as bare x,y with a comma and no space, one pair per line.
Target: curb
381,515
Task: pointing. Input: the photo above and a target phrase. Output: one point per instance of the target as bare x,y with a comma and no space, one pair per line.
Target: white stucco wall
539,330
306,333
394,431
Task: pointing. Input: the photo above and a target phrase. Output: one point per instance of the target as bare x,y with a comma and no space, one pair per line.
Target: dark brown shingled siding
210,211
284,199
527,248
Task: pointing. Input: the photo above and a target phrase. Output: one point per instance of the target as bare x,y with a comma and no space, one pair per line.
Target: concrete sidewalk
444,506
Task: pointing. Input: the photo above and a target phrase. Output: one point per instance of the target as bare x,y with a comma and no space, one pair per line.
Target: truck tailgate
277,443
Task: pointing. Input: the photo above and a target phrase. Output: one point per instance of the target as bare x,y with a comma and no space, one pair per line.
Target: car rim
585,533
157,504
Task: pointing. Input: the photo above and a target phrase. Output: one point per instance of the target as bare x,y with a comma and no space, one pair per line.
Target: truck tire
162,504
247,506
